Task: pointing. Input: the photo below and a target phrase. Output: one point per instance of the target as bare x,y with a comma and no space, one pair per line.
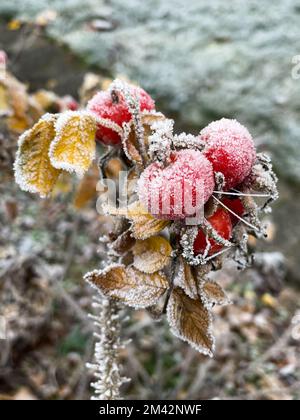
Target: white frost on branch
106,366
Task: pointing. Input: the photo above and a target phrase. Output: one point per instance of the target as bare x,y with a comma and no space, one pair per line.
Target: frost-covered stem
171,285
103,161
106,366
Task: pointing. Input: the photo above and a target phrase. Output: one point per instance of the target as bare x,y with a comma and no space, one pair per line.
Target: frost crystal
160,141
188,141
106,367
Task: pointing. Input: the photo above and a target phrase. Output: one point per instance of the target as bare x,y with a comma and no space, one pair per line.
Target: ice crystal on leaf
188,141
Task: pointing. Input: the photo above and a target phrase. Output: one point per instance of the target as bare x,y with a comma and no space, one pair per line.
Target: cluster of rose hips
221,158
192,200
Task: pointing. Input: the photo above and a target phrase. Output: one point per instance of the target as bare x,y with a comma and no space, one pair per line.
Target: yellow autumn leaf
269,300
63,186
33,170
14,25
4,104
45,99
87,189
152,254
16,105
74,146
17,125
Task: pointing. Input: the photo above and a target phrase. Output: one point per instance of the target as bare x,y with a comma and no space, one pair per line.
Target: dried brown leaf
87,189
144,225
130,146
186,279
130,286
124,242
213,294
152,254
190,321
5,108
129,140
113,168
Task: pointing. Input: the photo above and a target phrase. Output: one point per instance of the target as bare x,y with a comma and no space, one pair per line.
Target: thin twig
236,215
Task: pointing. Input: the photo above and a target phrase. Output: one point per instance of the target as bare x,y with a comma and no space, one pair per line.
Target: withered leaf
5,108
150,117
129,140
124,242
33,169
129,144
144,225
213,294
113,167
130,286
18,100
152,254
191,321
186,279
74,146
87,189
131,182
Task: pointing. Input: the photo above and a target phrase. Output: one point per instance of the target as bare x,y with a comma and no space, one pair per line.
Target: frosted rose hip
230,149
221,222
236,206
180,189
114,108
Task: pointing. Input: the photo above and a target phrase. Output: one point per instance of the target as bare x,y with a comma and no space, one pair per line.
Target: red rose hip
178,190
230,149
111,105
221,222
236,206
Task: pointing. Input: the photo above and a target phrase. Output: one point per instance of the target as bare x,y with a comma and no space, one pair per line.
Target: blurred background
200,61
